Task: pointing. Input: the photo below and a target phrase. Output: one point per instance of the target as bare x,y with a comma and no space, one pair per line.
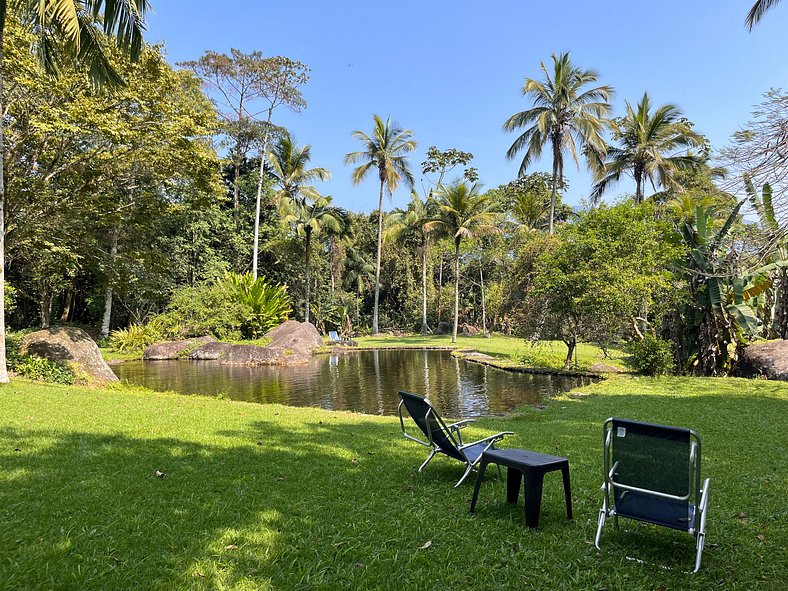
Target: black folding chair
443,438
652,474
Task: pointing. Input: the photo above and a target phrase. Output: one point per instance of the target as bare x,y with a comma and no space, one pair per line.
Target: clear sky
452,70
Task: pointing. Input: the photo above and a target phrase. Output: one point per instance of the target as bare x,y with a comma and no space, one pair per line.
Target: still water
362,381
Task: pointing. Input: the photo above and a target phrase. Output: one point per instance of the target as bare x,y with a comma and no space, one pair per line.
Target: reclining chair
443,438
652,474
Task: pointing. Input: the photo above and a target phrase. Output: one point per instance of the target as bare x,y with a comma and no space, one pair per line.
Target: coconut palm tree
652,146
385,151
311,217
566,114
406,225
758,10
288,168
462,213
72,27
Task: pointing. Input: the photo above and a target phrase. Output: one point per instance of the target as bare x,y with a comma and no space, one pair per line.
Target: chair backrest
332,335
431,424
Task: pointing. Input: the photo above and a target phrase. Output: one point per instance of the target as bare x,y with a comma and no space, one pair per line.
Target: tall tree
653,146
757,11
288,164
566,114
463,213
409,224
385,151
309,218
279,82
76,24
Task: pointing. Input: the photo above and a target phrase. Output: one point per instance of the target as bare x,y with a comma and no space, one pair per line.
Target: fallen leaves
160,474
426,545
231,547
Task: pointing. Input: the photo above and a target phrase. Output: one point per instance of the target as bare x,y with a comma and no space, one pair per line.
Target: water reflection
363,381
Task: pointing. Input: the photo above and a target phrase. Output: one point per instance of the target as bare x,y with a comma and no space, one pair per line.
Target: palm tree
69,27
462,213
758,10
652,147
358,274
288,167
385,150
566,114
409,224
311,217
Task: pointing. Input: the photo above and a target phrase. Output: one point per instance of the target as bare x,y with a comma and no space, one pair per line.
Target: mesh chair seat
657,510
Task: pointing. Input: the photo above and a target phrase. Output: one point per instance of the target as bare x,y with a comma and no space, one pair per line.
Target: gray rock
765,359
291,343
174,349
209,351
72,346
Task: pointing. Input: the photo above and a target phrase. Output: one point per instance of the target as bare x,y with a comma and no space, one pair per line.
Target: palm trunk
377,265
440,289
425,329
3,369
555,183
456,289
308,233
113,254
638,186
260,194
484,310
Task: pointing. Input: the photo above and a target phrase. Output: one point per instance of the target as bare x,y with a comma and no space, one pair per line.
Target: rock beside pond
765,359
69,345
469,329
291,343
209,351
174,349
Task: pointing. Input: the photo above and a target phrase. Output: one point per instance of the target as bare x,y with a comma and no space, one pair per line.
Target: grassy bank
272,497
512,351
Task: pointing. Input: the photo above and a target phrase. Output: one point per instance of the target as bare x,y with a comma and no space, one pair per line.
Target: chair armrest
496,437
461,424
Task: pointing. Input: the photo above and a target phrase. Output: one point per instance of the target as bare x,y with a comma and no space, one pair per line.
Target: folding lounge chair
443,438
333,337
652,474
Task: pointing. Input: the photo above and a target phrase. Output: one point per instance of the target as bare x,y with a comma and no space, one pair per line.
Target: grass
512,351
273,497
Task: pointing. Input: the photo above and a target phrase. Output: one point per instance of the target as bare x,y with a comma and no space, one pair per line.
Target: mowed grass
541,354
273,497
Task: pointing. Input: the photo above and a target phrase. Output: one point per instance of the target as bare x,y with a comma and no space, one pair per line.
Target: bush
134,338
652,356
36,368
269,303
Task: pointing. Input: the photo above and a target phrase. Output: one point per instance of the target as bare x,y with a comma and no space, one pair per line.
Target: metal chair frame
696,492
450,430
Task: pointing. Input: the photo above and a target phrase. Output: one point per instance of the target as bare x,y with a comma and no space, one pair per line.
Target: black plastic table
531,466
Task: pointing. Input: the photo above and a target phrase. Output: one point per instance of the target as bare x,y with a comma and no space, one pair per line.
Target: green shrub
652,356
36,368
269,303
134,338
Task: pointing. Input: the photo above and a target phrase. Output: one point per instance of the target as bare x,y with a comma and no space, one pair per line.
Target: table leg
567,490
479,478
513,479
533,497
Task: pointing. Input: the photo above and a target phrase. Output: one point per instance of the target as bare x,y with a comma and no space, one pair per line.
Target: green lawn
272,497
543,354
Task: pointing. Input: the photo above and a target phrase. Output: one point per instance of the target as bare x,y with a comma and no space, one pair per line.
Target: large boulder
209,351
765,359
72,346
291,343
174,349
469,330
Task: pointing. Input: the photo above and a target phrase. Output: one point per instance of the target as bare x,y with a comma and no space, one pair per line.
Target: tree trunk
638,187
440,289
67,303
377,265
484,310
556,156
456,289
260,194
781,313
236,189
3,369
113,254
571,344
308,233
425,328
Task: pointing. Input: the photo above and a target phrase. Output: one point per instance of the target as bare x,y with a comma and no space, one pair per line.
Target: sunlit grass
268,496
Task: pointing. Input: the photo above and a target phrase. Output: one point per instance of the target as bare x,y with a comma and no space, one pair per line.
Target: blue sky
452,71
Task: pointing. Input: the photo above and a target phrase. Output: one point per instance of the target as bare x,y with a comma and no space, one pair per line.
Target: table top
524,457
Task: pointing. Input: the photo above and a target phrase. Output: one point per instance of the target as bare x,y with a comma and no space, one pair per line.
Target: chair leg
427,461
700,543
600,525
464,476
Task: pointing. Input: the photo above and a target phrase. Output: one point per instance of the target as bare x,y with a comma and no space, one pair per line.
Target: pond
362,381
